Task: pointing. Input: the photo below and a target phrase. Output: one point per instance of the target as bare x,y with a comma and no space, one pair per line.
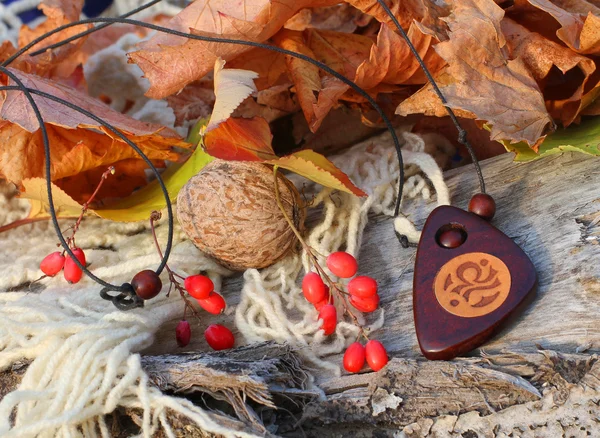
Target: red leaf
240,140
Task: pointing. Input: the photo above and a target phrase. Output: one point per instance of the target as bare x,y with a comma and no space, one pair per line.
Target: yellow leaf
35,189
319,169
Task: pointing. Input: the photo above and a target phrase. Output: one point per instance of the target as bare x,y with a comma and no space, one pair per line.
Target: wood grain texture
450,323
550,208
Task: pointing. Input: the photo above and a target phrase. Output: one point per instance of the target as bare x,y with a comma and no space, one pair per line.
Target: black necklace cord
462,134
126,299
301,56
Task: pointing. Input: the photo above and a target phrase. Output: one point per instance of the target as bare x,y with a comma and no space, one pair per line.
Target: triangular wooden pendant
469,278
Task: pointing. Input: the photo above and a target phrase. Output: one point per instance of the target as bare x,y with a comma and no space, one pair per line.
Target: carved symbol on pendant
472,284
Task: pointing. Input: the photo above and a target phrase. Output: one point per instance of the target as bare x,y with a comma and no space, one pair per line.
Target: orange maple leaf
171,62
77,143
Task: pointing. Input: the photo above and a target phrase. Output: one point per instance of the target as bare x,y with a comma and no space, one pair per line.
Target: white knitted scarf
84,354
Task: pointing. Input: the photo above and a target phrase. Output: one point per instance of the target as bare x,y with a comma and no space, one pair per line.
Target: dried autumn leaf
232,86
340,51
305,76
77,142
481,80
344,53
129,175
580,23
171,62
194,102
267,64
341,18
60,62
427,13
35,189
392,62
250,140
426,101
133,208
540,55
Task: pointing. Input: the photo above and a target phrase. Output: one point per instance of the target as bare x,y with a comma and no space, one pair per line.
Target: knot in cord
126,299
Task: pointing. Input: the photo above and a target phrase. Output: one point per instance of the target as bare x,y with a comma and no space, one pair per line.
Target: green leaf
142,203
584,137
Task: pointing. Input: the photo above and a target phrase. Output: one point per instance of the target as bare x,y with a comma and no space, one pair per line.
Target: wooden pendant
469,278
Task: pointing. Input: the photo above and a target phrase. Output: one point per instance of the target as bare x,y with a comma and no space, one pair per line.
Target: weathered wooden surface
540,377
551,208
238,383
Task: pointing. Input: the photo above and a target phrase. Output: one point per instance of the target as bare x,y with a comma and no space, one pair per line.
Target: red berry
327,300
313,288
183,333
342,264
362,286
376,355
354,358
52,264
329,316
199,286
219,337
146,284
365,305
72,272
214,304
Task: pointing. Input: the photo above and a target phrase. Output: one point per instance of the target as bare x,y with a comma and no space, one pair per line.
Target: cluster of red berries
53,263
217,336
362,292
374,353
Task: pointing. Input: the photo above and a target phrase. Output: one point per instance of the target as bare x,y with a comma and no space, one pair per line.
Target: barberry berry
342,264
219,337
72,272
354,357
328,314
365,305
52,264
183,333
214,304
199,286
362,286
313,288
376,355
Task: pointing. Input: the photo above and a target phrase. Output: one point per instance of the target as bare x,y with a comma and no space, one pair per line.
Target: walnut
230,212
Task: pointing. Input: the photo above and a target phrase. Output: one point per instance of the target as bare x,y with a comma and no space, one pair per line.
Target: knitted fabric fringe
85,354
272,305
83,351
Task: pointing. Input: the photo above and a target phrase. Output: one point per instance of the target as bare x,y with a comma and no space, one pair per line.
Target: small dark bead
483,205
146,284
451,238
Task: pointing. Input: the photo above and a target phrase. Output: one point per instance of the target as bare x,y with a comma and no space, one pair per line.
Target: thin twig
153,218
86,205
333,286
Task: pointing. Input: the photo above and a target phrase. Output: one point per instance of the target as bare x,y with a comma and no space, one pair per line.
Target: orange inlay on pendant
472,284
